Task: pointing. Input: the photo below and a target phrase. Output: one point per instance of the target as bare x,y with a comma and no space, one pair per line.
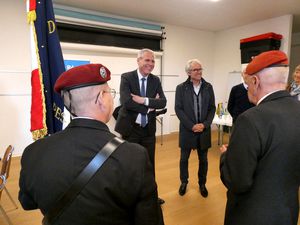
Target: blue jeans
184,164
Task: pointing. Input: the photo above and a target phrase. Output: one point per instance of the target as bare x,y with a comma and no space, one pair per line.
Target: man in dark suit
140,95
195,108
123,191
260,166
238,101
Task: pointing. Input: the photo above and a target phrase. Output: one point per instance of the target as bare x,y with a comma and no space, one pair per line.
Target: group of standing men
124,190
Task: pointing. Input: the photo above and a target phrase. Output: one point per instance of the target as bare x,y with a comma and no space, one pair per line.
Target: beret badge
103,72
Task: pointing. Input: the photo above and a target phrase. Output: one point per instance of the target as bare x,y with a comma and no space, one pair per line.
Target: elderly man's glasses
111,91
197,70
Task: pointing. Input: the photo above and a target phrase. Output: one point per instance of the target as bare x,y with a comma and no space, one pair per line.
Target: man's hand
156,97
199,127
223,148
138,99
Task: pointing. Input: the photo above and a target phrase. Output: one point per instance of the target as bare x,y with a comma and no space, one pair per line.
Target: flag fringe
31,16
37,134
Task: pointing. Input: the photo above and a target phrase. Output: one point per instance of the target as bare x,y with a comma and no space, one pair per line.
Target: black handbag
81,180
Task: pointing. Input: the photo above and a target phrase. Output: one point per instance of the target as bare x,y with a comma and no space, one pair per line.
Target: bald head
266,81
93,101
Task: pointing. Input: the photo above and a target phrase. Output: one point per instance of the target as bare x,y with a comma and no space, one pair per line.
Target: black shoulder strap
81,180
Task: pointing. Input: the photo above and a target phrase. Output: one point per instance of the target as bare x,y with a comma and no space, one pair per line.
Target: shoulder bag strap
81,180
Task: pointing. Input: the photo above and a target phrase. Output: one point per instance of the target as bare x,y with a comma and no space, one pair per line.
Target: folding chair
4,174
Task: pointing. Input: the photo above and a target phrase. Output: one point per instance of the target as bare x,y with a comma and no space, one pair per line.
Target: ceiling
198,14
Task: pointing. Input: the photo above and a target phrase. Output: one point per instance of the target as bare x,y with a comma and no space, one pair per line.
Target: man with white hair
195,109
260,166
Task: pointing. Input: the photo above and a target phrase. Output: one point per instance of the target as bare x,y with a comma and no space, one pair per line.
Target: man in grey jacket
195,109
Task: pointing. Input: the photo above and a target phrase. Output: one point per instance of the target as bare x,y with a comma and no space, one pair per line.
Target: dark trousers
184,165
141,136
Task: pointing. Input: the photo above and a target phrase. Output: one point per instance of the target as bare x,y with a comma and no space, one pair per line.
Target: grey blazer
184,108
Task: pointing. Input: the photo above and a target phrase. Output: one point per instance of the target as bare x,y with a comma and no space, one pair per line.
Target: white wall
227,49
15,88
219,53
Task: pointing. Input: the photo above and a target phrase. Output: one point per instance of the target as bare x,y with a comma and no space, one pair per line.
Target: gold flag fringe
31,16
38,134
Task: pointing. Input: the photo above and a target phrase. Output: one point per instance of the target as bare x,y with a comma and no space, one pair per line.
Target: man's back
123,191
265,189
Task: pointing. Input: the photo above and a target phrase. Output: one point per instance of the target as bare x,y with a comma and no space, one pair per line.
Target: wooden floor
190,209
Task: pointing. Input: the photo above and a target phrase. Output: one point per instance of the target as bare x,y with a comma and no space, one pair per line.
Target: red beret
267,59
82,76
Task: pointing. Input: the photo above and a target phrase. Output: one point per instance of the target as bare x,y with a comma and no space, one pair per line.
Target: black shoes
161,201
203,190
182,189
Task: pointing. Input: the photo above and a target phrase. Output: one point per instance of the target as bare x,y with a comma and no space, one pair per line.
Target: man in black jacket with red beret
122,192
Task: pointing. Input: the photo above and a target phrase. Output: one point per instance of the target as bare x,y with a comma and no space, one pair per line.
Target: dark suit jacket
122,192
238,101
261,167
184,108
130,109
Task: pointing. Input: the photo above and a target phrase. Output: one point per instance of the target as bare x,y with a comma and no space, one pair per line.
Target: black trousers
140,135
184,165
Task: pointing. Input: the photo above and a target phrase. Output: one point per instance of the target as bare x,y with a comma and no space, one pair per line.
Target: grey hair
189,64
142,51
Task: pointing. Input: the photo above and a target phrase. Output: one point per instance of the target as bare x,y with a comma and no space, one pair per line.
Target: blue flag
50,63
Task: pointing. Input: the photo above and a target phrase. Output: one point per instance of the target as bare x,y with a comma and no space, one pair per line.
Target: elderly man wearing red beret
261,165
123,191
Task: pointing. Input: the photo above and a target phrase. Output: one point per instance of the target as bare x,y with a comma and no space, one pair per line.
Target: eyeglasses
111,91
197,70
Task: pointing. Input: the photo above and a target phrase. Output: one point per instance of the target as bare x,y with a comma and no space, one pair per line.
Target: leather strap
82,179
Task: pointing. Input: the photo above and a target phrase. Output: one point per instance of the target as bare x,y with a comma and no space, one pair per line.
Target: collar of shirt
245,86
82,117
260,100
141,76
197,88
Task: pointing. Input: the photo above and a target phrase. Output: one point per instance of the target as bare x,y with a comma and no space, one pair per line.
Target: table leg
219,133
